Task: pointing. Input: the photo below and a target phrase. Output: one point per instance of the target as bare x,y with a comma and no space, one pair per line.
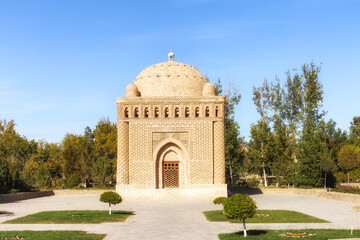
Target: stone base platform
203,191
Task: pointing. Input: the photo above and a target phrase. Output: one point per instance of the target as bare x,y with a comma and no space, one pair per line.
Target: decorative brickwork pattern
201,172
219,153
123,153
182,127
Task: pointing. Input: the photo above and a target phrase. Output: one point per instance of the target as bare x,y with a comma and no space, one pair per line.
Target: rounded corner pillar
219,152
122,176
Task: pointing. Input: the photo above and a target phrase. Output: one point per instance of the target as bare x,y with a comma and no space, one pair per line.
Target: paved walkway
176,219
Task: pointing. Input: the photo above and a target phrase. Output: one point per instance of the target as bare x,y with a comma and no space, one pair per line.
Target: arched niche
169,151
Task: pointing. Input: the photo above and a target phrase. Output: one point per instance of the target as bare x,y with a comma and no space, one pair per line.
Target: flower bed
297,235
261,215
13,238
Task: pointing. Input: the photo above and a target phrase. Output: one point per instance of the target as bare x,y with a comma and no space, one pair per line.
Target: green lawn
73,216
53,235
319,234
275,216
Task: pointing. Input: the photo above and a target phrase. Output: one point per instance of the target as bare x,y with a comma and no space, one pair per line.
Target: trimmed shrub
110,198
220,200
240,207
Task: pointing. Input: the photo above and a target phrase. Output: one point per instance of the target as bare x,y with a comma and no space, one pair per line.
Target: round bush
220,200
239,207
111,198
5,177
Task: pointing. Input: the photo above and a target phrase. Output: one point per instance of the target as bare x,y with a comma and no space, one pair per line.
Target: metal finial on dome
171,56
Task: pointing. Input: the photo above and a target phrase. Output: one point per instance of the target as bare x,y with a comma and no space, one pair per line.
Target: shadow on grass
122,212
252,232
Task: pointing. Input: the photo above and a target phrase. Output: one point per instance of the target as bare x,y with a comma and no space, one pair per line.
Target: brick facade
160,123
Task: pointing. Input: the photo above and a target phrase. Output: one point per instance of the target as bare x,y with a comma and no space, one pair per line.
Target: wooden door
170,174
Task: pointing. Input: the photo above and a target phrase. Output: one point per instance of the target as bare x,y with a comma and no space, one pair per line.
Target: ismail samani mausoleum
170,135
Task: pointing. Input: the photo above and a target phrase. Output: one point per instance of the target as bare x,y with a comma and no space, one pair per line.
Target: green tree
260,147
102,171
334,138
311,146
283,151
355,127
5,177
78,155
240,207
233,140
29,171
110,198
262,100
16,150
105,137
43,178
286,105
349,158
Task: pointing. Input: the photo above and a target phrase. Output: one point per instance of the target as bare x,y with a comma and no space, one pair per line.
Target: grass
53,235
320,234
73,216
275,216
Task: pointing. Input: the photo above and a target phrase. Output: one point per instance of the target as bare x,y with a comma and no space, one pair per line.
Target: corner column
122,176
219,152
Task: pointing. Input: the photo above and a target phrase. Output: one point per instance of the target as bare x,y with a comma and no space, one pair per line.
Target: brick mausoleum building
171,135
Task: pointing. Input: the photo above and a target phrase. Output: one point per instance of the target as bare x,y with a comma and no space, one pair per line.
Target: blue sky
63,63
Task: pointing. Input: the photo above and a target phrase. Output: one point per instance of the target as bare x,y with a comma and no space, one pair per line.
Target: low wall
350,184
12,197
322,193
80,192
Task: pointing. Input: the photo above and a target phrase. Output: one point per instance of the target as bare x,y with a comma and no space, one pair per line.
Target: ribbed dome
170,79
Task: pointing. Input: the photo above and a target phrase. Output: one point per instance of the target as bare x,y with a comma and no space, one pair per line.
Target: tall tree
262,99
233,140
105,144
312,148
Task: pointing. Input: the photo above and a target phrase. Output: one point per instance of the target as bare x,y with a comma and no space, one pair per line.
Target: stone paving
177,219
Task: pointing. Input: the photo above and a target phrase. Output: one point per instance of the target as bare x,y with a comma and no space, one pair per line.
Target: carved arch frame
165,146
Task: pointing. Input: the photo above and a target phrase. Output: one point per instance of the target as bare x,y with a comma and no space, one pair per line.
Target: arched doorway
170,166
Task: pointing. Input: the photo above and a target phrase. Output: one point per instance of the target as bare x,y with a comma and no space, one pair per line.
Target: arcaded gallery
170,135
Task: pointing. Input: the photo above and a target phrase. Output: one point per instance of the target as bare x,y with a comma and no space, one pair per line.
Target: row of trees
291,142
88,157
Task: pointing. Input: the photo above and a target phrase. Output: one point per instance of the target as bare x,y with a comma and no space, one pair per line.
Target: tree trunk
325,180
264,172
262,156
244,226
109,208
231,175
348,178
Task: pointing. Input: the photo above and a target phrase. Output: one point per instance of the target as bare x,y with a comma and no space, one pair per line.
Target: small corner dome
208,90
131,90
